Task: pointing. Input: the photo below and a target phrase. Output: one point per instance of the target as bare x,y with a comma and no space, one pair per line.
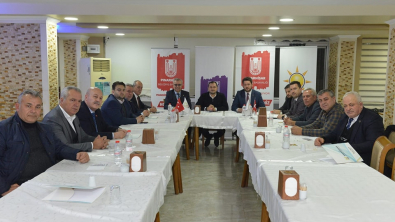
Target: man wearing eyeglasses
176,93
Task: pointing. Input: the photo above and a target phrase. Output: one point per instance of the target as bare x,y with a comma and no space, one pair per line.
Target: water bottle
271,118
243,109
117,153
129,140
169,108
267,142
286,138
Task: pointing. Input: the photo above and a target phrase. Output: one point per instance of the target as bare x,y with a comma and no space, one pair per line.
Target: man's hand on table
319,141
239,110
13,187
100,142
120,134
140,119
289,122
146,113
153,109
82,157
211,108
296,130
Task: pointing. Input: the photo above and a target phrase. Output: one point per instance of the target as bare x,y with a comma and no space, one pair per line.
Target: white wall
131,57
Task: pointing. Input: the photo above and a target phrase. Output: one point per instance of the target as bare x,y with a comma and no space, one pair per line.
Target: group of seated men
74,127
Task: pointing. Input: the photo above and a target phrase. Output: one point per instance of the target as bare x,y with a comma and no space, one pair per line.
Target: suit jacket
219,101
88,124
135,110
286,106
112,112
240,99
297,107
61,127
171,98
365,131
142,105
309,115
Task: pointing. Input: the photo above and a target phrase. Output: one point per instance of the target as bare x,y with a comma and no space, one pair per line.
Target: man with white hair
359,126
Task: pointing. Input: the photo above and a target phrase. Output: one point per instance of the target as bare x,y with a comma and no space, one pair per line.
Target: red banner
169,68
256,66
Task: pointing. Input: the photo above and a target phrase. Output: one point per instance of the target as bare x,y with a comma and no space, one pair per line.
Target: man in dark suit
66,125
359,126
116,110
247,94
212,101
297,105
91,119
173,95
311,111
287,103
28,147
137,88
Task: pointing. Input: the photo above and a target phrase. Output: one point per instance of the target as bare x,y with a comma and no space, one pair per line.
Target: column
390,78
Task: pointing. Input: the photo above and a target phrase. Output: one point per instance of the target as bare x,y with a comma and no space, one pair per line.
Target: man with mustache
359,126
27,147
91,119
66,125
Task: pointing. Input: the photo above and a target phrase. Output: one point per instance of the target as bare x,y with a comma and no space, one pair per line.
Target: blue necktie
178,96
94,120
349,123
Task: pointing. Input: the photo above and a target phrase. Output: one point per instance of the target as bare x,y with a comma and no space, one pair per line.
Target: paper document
342,153
99,166
75,195
152,117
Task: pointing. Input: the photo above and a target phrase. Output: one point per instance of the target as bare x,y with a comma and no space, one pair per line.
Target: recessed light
119,34
267,35
286,20
274,28
102,27
71,18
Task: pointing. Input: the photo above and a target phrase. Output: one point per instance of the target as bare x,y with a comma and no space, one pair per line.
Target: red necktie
248,97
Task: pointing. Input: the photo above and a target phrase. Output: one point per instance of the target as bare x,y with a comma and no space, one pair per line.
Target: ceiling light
71,18
286,20
267,35
102,27
119,34
274,28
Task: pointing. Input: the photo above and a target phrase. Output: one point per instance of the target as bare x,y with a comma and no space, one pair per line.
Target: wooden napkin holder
288,185
148,136
197,109
259,140
262,121
262,111
138,161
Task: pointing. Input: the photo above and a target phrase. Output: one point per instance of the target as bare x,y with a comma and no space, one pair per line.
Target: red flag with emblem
179,106
254,109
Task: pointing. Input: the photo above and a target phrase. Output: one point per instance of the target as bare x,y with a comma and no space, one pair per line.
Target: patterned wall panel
70,62
346,71
20,63
52,37
390,89
332,72
84,54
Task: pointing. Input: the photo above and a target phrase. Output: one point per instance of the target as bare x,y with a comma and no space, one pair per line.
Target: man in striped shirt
327,119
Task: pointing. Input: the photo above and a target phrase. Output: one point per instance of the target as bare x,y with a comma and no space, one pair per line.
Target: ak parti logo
256,66
297,76
169,68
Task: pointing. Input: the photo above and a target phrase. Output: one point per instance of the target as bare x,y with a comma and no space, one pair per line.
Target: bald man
91,119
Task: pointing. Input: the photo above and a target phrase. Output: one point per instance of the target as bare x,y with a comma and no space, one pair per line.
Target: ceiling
212,18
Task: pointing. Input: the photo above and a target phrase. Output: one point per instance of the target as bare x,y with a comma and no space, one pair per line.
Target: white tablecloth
215,120
142,195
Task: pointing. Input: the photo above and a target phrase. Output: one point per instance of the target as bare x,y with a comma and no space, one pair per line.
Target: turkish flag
254,109
179,106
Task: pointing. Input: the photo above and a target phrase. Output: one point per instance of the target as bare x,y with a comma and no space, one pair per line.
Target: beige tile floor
212,189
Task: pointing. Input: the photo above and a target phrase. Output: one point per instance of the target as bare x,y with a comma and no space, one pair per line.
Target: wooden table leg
197,142
237,149
157,219
265,214
179,174
246,174
175,177
187,145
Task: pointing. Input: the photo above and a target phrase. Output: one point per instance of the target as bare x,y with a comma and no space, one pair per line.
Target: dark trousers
208,136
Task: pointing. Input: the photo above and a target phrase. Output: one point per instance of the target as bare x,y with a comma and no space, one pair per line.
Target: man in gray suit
65,123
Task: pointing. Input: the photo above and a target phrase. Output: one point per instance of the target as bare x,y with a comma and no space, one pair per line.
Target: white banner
166,65
257,62
214,64
297,64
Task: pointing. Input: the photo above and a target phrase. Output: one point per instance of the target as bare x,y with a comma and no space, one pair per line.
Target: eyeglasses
177,84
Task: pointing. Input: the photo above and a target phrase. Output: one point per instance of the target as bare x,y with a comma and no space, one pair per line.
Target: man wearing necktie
176,93
91,118
359,126
247,96
134,98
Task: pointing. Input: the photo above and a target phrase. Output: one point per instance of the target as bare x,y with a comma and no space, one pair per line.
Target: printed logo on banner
161,104
221,81
256,66
297,76
267,102
169,68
